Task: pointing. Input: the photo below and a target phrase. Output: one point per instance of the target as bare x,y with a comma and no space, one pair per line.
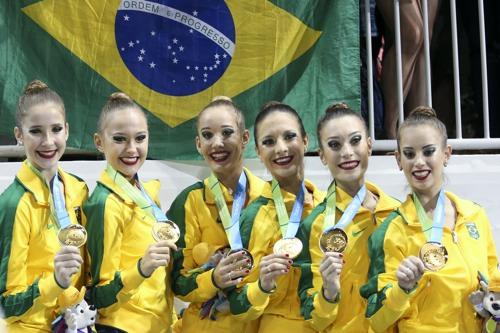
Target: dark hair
116,101
227,102
423,115
36,92
275,106
335,111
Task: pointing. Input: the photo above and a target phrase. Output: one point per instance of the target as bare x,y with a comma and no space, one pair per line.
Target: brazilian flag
173,56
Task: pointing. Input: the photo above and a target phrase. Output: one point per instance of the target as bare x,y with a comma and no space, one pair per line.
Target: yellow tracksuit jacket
347,313
279,311
28,244
119,233
195,212
440,301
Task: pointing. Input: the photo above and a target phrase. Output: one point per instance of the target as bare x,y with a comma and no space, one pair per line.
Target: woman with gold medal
130,238
214,254
41,235
435,247
338,229
281,142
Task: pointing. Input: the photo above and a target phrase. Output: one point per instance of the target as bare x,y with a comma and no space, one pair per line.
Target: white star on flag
175,40
140,58
143,51
192,78
152,65
126,17
195,13
130,44
153,33
181,48
175,60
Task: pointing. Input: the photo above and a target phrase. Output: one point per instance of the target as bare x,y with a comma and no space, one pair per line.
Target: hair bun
119,97
337,107
222,98
34,87
423,111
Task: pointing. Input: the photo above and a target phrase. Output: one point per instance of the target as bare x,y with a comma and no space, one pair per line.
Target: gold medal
290,246
246,254
334,240
167,230
74,235
434,256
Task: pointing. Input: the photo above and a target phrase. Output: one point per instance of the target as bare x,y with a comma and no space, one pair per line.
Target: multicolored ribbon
230,221
288,226
349,213
137,194
58,211
433,229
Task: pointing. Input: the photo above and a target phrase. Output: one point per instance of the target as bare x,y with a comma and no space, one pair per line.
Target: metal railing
459,142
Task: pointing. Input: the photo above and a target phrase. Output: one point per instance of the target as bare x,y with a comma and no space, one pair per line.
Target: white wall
475,177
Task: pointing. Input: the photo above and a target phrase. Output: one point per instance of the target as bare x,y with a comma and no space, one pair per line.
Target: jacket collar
151,187
465,209
385,202
288,197
36,186
255,187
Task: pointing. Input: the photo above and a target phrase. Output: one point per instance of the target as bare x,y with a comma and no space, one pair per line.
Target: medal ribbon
57,203
288,226
433,229
349,212
230,222
137,195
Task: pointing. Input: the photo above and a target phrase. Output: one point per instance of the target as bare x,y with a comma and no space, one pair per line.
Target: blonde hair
35,93
227,102
116,101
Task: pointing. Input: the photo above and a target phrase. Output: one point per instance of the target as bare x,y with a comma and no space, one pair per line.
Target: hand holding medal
238,262
330,269
409,272
271,267
235,265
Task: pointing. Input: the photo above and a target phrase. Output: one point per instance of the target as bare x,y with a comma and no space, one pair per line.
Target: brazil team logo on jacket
473,232
175,47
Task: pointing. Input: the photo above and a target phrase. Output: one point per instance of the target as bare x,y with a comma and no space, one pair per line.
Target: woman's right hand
157,255
409,272
330,269
231,269
271,267
67,263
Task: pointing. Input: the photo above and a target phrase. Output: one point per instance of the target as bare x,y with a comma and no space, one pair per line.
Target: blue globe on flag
175,47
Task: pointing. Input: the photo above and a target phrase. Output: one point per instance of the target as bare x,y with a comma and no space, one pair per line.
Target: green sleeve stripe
104,296
247,219
377,266
182,285
238,300
94,209
304,262
16,304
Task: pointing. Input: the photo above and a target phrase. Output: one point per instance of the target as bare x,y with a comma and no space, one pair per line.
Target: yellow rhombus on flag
267,39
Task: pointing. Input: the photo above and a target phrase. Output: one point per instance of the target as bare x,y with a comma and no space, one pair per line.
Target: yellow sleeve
387,302
189,287
111,286
19,298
